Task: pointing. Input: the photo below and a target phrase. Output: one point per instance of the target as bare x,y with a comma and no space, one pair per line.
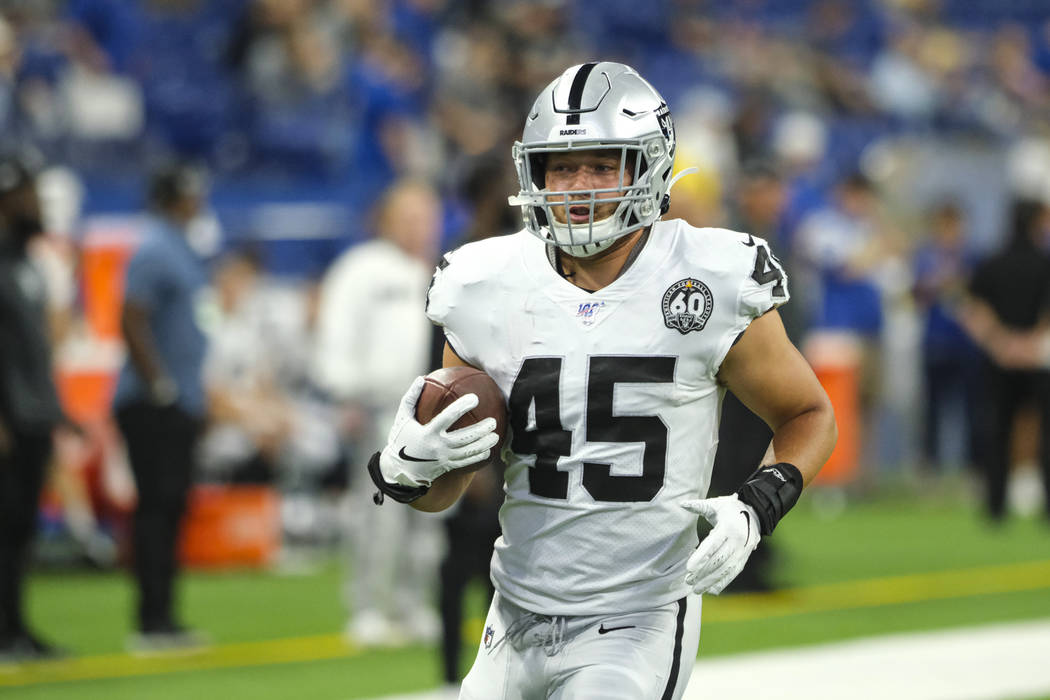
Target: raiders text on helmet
596,106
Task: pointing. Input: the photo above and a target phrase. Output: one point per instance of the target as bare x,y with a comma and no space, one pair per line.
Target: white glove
723,553
416,454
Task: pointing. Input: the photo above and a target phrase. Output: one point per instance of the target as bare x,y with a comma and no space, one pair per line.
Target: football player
614,336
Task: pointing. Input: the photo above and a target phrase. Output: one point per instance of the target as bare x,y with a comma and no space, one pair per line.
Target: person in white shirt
372,340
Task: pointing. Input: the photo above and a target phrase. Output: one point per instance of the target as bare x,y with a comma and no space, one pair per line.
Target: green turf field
889,564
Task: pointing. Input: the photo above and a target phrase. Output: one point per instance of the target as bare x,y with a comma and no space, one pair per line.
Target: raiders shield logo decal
687,305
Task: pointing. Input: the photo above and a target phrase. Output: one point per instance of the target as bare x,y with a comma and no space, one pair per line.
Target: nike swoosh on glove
416,453
723,553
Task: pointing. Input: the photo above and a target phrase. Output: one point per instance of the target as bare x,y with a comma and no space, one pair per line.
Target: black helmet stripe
576,92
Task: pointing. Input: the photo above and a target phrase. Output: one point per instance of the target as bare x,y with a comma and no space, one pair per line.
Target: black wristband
772,490
401,494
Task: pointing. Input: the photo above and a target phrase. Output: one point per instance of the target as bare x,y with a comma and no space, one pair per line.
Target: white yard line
993,662
976,663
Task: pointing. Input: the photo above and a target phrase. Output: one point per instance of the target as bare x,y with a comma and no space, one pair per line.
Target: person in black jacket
1010,295
29,406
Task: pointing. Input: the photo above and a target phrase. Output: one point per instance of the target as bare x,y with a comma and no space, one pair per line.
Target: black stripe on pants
676,659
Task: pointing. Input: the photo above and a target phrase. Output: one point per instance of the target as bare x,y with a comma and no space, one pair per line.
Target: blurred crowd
895,153
356,92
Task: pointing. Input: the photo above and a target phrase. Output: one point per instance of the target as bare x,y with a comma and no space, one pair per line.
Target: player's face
585,170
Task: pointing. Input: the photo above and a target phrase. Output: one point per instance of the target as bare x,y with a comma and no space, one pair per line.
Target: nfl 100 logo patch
588,311
687,305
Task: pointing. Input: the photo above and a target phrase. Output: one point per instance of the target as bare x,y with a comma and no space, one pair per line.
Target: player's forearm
807,439
444,492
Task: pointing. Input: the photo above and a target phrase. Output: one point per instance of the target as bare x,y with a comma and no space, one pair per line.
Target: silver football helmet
596,106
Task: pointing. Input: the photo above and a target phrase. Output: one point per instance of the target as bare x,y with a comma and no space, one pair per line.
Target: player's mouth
579,214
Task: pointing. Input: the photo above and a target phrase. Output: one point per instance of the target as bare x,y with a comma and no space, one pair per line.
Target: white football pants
646,655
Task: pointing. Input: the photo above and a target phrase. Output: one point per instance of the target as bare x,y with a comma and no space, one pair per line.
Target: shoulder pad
469,265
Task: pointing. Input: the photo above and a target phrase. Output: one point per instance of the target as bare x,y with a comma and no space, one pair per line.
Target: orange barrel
230,526
108,244
835,358
85,393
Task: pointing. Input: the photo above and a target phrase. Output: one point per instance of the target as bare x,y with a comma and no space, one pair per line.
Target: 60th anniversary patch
687,305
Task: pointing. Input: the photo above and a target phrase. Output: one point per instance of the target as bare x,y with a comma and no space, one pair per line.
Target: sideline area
912,660
991,662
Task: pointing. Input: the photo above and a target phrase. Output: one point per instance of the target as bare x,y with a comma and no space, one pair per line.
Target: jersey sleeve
761,285
766,286
445,300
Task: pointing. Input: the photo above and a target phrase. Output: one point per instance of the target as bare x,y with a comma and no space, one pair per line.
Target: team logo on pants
687,305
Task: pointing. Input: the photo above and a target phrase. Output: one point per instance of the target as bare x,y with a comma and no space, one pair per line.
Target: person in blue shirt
159,401
950,360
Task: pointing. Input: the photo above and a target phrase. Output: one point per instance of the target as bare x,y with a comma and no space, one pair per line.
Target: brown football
442,387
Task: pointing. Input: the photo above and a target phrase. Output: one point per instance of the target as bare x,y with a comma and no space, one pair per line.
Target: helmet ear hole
643,165
538,170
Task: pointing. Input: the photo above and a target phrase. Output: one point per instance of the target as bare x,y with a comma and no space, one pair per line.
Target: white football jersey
613,404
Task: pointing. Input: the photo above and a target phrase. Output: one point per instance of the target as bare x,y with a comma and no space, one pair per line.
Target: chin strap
586,250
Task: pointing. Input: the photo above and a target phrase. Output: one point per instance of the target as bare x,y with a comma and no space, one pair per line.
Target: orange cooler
835,359
230,526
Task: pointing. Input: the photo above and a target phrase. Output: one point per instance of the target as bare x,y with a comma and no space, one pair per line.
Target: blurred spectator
175,51
485,193
840,250
293,72
372,292
29,407
10,60
60,192
705,144
844,243
943,266
268,422
248,418
1010,294
899,82
389,86
799,142
759,208
843,35
160,402
472,97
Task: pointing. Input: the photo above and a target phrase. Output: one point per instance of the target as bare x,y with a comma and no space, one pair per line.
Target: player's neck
599,271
